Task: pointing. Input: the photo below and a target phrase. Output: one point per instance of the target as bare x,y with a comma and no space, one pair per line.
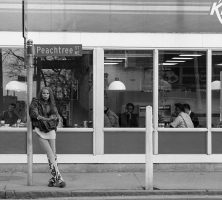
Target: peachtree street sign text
58,50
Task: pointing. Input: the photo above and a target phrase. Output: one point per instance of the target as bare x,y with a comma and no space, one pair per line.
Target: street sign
58,50
24,19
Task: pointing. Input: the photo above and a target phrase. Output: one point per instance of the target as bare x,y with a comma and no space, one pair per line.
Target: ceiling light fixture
117,85
169,63
215,85
195,55
111,63
184,58
173,61
16,86
116,58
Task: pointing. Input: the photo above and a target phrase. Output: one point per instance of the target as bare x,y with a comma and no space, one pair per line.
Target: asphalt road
153,197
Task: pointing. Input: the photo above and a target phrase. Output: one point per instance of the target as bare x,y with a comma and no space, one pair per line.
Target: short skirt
48,136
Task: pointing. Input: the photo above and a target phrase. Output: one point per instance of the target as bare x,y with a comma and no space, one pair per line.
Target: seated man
10,116
128,118
182,119
192,115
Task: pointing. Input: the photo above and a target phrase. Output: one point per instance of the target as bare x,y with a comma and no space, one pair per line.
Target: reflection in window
125,107
182,79
71,81
13,87
216,89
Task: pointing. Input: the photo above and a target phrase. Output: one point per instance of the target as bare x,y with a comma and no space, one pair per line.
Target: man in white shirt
182,120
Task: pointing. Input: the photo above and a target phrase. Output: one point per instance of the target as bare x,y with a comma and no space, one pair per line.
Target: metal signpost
24,26
28,62
24,19
29,68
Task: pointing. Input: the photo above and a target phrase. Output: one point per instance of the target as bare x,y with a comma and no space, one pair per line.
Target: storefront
163,52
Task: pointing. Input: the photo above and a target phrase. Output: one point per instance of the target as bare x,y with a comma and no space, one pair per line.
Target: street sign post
28,62
24,19
29,65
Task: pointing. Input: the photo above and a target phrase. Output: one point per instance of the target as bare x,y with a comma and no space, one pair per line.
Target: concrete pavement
14,184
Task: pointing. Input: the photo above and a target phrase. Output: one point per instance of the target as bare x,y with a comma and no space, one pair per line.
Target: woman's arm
55,114
33,109
34,112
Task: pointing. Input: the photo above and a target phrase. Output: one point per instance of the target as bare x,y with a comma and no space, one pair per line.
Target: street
150,197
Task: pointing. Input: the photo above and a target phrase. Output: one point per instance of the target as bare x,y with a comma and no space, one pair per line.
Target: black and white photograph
111,99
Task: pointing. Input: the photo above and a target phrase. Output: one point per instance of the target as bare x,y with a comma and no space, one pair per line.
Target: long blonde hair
51,99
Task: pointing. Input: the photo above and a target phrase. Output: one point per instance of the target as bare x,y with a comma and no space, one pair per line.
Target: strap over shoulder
183,120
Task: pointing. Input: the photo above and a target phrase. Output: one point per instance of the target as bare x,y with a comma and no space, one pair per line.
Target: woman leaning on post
44,116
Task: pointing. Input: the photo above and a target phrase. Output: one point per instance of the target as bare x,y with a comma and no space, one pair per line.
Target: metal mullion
209,102
155,99
138,130
98,101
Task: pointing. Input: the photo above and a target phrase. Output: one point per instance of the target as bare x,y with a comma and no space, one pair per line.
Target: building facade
164,52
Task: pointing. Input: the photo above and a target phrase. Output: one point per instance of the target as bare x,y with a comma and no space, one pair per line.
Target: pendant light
215,85
117,85
16,86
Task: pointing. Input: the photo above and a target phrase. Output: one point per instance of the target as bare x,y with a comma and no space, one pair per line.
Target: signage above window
58,50
216,9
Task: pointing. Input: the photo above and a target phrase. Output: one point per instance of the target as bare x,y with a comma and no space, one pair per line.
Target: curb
12,194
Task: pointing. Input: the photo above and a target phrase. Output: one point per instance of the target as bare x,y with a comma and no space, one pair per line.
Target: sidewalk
14,185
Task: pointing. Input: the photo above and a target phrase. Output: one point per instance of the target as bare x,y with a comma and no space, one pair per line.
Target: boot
56,179
51,180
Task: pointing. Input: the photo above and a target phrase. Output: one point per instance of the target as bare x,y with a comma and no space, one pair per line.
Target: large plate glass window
13,94
216,89
71,79
216,107
13,87
128,81
182,79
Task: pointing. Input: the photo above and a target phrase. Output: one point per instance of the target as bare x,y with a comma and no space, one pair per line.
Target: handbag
51,124
47,125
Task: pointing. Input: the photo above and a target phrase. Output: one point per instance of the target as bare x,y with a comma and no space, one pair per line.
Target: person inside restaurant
128,118
10,116
192,115
110,118
182,119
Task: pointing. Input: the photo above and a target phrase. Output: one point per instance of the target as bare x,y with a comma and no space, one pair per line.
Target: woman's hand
42,118
47,118
53,117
